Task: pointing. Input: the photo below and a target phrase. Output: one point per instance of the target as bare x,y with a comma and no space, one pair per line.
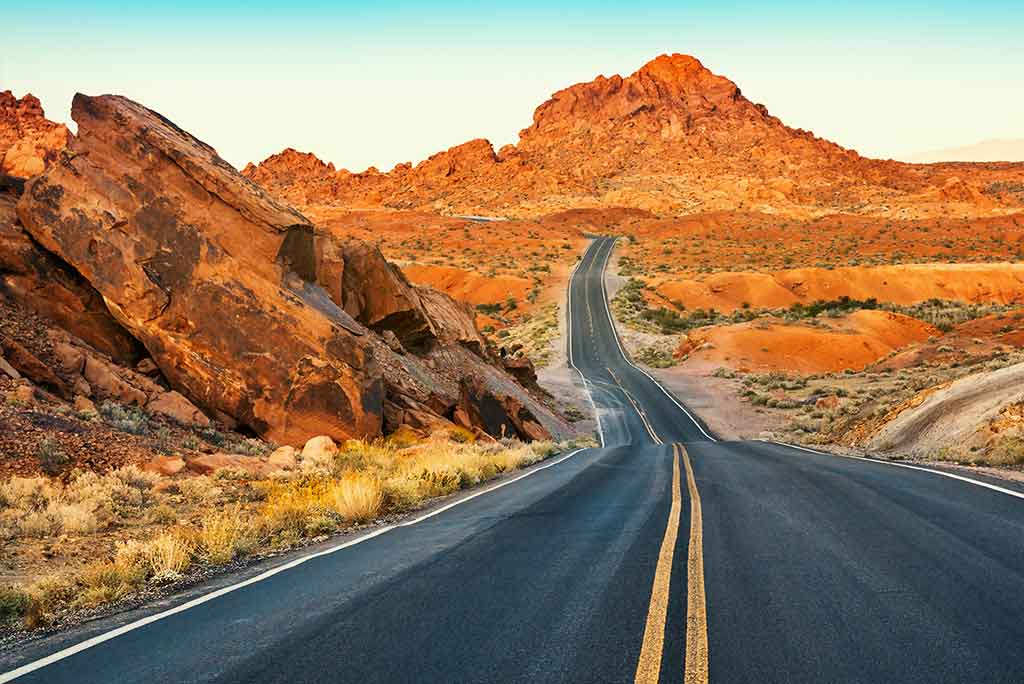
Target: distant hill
673,138
997,150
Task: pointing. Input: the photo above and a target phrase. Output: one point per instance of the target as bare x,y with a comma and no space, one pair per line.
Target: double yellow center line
649,666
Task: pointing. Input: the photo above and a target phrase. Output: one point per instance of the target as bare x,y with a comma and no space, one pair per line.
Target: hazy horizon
361,86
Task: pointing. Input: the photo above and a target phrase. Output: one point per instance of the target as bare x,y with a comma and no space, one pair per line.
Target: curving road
665,555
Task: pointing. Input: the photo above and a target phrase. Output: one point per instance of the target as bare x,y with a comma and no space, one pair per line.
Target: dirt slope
999,283
955,415
854,341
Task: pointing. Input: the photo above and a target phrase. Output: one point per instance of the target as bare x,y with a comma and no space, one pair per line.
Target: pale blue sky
361,85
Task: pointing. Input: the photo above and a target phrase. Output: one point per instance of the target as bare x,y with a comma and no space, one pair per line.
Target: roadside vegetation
633,306
534,335
142,531
844,408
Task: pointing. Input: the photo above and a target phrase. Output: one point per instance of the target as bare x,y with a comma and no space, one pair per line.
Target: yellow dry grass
357,484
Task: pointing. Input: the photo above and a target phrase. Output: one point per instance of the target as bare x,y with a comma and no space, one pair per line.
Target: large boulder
32,277
497,415
373,291
452,321
250,312
192,259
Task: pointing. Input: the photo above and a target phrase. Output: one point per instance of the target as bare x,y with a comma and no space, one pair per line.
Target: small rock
23,394
174,405
284,458
84,405
393,342
70,358
829,402
80,386
319,450
147,367
165,465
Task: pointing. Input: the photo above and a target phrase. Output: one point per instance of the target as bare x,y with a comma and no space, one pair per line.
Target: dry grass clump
199,489
358,483
357,497
40,507
164,558
226,535
1005,452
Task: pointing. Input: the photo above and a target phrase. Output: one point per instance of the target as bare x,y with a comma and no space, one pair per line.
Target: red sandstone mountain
28,140
672,138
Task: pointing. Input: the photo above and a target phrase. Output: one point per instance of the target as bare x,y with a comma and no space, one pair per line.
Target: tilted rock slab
214,277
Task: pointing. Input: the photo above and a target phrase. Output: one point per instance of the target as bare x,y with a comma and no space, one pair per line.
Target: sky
374,84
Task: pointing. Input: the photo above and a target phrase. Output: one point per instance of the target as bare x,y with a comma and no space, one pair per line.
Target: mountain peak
673,68
673,87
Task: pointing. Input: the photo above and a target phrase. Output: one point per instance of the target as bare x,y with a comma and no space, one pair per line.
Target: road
664,555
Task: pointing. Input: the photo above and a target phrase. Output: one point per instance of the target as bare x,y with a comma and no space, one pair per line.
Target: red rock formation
29,142
672,138
34,278
247,309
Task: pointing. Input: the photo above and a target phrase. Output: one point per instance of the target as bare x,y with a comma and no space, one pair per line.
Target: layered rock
29,142
247,309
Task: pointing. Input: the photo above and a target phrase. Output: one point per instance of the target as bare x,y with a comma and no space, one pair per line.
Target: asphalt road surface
665,555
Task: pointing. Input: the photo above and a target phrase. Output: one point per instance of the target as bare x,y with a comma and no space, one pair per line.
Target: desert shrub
225,535
461,435
51,457
199,489
251,447
44,523
14,602
1007,451
130,419
135,477
212,436
489,309
357,497
26,493
105,581
162,515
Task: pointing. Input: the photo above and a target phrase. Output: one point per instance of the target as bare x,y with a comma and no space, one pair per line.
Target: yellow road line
696,602
648,669
636,406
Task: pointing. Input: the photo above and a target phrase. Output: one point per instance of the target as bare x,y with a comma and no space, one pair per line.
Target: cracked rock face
185,252
248,310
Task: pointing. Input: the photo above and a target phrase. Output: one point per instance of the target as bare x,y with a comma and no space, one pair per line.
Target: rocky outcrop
185,252
672,138
498,416
248,310
451,320
29,142
392,304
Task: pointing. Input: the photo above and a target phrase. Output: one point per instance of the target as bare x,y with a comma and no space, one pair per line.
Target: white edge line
626,358
142,622
954,476
568,336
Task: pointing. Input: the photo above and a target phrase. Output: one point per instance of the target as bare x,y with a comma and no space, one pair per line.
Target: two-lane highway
632,408
665,555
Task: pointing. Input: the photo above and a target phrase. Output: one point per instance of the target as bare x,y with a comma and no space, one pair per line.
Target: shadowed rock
247,309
